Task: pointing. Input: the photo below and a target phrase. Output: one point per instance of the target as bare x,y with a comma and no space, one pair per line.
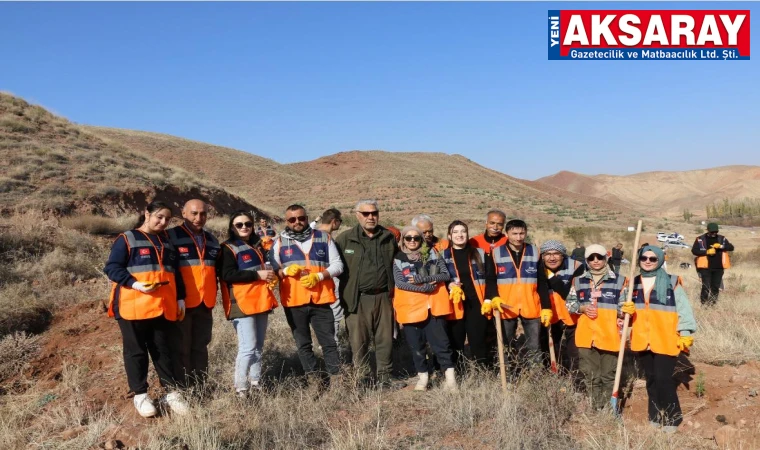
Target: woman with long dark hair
467,291
247,296
147,297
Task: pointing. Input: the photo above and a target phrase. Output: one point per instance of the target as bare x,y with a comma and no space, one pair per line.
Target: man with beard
307,261
198,250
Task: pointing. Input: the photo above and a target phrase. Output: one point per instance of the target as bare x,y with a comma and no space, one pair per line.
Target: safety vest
701,261
559,307
147,264
602,332
478,280
655,324
197,265
518,286
414,307
292,293
440,245
480,242
253,297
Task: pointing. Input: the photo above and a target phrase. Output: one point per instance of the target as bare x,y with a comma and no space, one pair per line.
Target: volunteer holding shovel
597,295
662,327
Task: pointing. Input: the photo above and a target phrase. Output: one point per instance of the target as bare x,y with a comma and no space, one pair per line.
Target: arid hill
447,186
668,193
50,164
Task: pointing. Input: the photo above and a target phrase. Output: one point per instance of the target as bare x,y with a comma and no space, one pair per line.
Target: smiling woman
147,298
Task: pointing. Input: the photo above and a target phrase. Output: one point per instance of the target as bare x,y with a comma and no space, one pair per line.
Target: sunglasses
412,238
652,259
240,225
595,257
297,219
369,213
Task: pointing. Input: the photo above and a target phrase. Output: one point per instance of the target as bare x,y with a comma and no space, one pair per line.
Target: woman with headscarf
598,295
421,305
662,327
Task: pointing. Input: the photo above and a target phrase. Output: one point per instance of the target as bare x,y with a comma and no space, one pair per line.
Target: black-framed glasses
412,238
596,256
652,259
297,219
369,213
240,225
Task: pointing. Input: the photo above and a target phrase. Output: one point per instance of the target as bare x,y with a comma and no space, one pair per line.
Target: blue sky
296,81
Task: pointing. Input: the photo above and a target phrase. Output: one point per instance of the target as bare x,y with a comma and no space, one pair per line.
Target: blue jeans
251,332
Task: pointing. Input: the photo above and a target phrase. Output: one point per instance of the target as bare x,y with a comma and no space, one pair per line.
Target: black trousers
711,279
565,350
322,320
473,328
141,338
664,407
430,331
192,342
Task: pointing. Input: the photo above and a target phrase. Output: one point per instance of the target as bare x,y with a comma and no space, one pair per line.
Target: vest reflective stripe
518,286
478,280
655,324
292,293
147,266
199,275
701,261
250,298
559,307
602,332
414,307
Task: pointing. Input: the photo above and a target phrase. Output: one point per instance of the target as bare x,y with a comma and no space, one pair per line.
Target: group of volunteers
382,282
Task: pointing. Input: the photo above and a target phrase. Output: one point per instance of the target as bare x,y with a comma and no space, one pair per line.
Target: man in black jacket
616,258
366,289
711,251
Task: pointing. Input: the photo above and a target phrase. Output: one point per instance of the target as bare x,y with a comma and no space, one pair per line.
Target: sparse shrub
15,124
97,225
15,351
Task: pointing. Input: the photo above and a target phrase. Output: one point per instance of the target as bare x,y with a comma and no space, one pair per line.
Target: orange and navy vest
518,286
478,279
601,332
655,323
197,265
292,293
148,264
253,297
559,307
414,307
701,261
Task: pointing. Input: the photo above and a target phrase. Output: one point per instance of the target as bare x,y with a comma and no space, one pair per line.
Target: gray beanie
553,245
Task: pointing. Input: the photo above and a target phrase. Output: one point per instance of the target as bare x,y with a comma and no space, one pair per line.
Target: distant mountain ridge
665,192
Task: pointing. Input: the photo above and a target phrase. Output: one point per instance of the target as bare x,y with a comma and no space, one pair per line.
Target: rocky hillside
51,164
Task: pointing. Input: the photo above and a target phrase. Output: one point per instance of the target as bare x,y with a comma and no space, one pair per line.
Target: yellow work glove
293,270
628,308
710,251
496,303
456,295
310,280
273,284
486,309
684,342
716,245
546,317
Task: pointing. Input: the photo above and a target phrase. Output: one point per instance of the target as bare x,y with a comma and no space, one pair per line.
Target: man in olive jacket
366,289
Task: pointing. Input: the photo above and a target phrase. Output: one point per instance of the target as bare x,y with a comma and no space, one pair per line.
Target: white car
670,238
662,236
675,245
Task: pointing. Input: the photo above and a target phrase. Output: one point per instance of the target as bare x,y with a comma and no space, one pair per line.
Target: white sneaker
422,382
450,384
177,403
144,406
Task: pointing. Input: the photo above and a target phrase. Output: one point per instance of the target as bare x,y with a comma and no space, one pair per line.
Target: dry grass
98,225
